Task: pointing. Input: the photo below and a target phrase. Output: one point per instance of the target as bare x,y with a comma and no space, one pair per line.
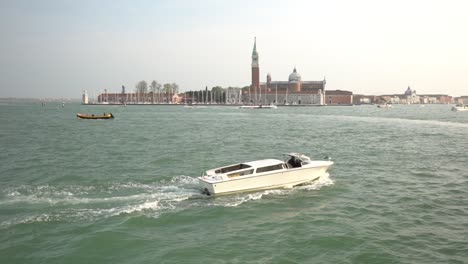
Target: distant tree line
155,87
161,92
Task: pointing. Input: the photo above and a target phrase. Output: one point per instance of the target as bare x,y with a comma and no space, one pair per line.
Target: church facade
411,97
294,91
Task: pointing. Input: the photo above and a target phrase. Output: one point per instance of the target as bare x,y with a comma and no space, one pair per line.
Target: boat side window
270,168
240,173
246,172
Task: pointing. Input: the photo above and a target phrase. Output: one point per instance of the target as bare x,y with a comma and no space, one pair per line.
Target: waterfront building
393,98
461,99
365,99
233,95
411,97
436,99
294,91
178,99
408,97
339,97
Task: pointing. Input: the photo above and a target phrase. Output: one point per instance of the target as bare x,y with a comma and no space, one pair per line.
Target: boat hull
287,178
459,109
84,116
384,106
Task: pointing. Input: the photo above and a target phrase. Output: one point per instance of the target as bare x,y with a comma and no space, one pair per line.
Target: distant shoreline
40,99
196,105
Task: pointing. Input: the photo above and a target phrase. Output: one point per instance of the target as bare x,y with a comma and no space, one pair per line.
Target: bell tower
255,86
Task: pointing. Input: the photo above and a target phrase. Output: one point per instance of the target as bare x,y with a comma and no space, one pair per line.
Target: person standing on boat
294,162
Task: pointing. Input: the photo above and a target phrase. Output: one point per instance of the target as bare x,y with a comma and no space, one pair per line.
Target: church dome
294,76
408,91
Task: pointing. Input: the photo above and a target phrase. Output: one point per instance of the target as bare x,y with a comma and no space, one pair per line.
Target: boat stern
207,184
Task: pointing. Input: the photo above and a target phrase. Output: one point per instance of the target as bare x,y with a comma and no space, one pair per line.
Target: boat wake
319,183
78,203
403,121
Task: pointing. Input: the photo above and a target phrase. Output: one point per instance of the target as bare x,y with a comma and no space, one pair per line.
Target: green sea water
125,190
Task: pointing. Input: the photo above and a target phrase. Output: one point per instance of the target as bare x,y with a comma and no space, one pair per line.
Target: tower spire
254,52
255,86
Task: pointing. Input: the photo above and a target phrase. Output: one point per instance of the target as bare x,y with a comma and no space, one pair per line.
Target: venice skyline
58,49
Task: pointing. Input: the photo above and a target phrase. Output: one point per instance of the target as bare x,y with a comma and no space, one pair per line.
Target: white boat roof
263,163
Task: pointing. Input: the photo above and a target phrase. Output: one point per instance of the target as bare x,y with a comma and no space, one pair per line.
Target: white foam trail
26,220
319,183
402,120
150,199
184,179
116,192
34,199
154,205
244,199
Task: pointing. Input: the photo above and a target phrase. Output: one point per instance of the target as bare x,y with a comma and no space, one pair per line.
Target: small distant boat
92,116
385,105
263,174
271,106
460,108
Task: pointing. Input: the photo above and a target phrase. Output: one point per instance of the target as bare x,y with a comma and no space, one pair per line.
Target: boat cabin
248,168
294,160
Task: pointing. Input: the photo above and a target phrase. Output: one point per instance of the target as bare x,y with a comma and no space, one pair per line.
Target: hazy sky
60,48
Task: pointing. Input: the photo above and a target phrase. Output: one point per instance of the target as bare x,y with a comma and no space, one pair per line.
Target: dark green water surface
125,190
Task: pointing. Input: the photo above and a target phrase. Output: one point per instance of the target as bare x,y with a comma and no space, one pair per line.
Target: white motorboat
263,174
385,105
460,107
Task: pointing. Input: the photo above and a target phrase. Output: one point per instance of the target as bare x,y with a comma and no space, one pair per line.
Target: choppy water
125,190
